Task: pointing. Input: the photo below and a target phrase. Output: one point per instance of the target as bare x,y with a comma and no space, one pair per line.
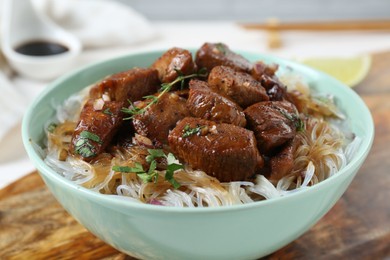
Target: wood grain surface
34,226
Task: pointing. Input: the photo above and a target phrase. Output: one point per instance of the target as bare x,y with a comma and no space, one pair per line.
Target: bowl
230,232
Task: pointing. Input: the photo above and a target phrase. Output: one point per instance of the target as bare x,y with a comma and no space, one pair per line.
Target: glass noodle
323,149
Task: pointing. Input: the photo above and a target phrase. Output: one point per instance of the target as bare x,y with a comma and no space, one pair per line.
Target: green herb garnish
83,145
51,127
165,87
108,112
188,131
84,148
153,154
298,122
91,136
136,169
171,168
221,48
152,175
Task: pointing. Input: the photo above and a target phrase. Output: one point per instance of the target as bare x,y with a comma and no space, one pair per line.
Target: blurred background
261,10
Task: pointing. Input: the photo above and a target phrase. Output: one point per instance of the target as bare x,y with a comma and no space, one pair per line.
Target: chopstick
360,25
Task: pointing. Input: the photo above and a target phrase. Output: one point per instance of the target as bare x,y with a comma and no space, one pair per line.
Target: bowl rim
49,173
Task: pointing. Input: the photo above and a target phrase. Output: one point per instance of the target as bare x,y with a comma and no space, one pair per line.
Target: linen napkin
12,103
97,23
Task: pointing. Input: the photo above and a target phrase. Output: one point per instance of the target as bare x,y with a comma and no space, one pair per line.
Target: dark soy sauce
41,48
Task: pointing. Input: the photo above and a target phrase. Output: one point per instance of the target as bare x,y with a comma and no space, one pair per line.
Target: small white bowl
21,24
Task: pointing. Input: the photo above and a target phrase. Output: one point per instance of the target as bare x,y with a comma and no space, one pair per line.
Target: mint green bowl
231,232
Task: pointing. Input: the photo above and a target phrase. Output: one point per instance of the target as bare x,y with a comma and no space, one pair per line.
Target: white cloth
98,23
12,106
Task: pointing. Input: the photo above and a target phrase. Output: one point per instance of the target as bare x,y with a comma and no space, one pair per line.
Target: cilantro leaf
173,166
152,174
91,136
153,154
145,177
152,167
137,169
174,183
83,146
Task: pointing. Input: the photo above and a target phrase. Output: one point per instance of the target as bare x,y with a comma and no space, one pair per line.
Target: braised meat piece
276,90
207,104
265,74
156,122
216,54
97,125
240,87
225,151
128,85
283,161
260,68
171,62
273,122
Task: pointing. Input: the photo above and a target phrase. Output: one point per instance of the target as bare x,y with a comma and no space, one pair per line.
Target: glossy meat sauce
225,123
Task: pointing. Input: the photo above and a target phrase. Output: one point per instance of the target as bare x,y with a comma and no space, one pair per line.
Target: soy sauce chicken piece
96,128
128,85
260,68
265,74
273,122
283,161
276,90
211,55
207,104
225,151
156,122
238,86
173,61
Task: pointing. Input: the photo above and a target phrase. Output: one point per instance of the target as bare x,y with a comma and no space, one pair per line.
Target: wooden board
34,226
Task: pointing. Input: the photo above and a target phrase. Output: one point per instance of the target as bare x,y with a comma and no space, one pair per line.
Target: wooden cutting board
34,226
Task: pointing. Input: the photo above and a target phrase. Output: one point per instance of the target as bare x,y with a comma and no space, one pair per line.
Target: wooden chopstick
321,26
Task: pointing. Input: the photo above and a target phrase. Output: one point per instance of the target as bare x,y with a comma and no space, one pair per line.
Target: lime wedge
351,70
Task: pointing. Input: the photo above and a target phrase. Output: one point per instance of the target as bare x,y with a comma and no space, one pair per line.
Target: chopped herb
221,48
90,136
165,87
133,110
83,146
153,154
173,166
188,131
298,122
137,169
180,74
51,127
152,175
108,112
152,171
145,177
